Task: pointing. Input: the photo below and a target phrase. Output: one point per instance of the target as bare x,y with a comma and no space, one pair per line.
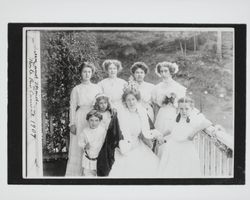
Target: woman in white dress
179,158
139,71
133,158
81,102
165,96
113,86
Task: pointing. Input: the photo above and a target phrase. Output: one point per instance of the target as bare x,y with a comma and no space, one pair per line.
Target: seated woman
133,158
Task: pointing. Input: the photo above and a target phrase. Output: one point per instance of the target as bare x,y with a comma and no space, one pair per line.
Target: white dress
179,157
113,88
146,97
95,139
106,118
134,159
167,113
81,102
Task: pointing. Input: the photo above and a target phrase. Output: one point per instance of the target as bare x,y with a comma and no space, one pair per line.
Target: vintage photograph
135,102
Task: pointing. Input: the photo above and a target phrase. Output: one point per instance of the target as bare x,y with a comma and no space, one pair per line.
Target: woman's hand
161,140
125,146
73,129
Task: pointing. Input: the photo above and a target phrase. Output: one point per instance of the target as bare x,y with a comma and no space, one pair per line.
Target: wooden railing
215,148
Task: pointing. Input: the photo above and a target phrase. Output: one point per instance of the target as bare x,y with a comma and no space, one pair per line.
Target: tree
62,53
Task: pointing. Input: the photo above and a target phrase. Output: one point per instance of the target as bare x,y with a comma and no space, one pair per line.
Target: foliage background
205,61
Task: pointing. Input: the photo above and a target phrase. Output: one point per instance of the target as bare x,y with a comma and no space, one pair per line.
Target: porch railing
215,148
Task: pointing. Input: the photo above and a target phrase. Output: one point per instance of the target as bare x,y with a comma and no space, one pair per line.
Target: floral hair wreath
166,64
100,95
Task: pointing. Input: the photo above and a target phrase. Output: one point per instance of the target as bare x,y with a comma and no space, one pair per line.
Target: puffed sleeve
73,106
199,122
82,140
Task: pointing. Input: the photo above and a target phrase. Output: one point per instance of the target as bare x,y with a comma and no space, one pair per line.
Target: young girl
102,104
110,122
91,140
179,158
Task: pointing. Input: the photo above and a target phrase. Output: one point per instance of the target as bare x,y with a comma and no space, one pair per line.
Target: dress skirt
74,164
179,160
140,162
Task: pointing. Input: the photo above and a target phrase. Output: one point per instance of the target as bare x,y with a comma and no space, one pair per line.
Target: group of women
149,128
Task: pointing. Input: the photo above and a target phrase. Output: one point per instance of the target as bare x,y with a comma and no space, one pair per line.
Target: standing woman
81,102
139,70
165,96
113,86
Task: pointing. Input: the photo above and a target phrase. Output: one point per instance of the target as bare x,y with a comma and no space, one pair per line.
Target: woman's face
112,71
165,73
131,102
103,105
139,75
86,73
94,122
184,109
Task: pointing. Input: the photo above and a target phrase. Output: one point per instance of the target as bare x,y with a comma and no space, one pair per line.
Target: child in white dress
179,158
103,106
91,140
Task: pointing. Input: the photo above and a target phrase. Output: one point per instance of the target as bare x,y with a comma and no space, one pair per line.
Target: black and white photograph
131,102
124,99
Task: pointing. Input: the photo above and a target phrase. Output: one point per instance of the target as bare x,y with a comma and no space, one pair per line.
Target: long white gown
81,102
113,88
179,157
146,89
134,159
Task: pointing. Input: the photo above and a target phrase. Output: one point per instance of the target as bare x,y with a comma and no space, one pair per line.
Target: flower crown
166,64
100,95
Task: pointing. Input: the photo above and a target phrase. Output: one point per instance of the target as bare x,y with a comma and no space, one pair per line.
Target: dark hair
165,64
138,65
135,93
97,107
178,118
93,113
86,64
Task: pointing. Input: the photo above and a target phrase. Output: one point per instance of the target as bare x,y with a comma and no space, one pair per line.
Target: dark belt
87,156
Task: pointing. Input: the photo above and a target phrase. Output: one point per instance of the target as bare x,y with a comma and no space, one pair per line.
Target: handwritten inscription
33,87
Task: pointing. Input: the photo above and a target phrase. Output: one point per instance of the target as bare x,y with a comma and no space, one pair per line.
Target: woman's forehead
112,66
